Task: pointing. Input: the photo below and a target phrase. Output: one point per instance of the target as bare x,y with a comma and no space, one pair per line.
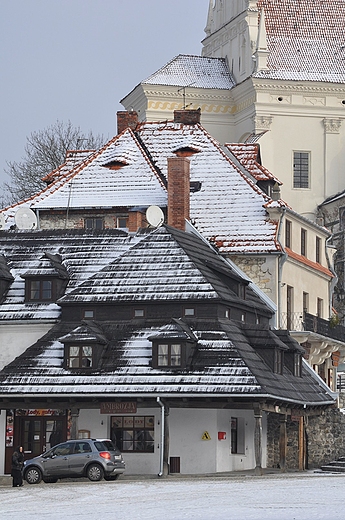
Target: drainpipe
334,280
161,461
281,261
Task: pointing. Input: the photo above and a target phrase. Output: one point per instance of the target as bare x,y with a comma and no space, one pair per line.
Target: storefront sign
39,413
125,407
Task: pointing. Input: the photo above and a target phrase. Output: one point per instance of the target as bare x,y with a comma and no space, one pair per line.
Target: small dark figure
17,467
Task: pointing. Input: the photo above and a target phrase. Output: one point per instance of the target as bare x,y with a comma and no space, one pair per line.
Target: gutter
11,396
161,458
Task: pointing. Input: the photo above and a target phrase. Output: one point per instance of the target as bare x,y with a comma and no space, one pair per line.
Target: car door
81,455
57,464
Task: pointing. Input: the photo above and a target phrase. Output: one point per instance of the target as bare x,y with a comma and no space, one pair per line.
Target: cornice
296,87
189,95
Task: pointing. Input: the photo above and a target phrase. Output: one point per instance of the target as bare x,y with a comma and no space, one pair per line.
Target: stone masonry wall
325,439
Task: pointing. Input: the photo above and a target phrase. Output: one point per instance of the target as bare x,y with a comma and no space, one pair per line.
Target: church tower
232,33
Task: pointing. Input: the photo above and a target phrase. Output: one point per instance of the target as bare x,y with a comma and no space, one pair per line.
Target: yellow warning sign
206,436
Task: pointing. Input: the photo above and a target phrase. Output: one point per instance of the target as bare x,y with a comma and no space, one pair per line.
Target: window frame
29,289
169,355
278,361
318,250
288,233
94,221
146,430
297,364
80,356
301,174
304,242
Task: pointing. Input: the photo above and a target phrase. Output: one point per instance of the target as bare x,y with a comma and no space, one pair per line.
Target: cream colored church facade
271,72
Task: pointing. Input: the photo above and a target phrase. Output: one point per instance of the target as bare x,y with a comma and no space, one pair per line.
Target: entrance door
38,434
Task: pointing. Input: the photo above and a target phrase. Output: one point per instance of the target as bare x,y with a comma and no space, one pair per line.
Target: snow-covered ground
302,496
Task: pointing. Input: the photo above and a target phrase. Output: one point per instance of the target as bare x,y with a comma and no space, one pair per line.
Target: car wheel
111,477
33,476
94,472
50,480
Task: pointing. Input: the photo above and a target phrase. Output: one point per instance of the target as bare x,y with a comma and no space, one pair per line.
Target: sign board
206,436
125,407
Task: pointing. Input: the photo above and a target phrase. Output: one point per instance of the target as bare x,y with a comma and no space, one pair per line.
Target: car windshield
105,446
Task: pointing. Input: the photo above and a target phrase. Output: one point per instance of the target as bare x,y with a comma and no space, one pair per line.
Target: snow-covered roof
305,40
193,71
248,154
131,171
228,209
82,254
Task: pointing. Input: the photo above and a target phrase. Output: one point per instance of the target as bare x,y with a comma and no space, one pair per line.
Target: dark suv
91,458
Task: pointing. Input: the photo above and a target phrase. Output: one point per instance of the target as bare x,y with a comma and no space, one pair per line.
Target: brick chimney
126,120
187,117
178,191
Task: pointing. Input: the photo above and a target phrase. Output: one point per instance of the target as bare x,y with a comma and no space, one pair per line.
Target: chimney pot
126,120
178,191
187,117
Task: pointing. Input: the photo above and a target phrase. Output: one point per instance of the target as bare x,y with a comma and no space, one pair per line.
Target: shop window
133,433
39,290
301,162
80,356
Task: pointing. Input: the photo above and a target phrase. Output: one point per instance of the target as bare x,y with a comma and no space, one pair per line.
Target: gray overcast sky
75,59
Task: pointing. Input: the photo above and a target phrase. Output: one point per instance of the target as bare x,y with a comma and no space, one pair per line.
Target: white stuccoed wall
15,338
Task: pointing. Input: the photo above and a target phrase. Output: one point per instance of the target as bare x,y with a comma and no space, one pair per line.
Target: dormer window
80,356
173,346
169,355
40,290
84,346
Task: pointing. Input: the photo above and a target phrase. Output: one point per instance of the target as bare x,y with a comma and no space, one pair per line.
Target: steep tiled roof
226,362
228,209
82,254
306,39
194,71
219,210
248,154
93,184
165,265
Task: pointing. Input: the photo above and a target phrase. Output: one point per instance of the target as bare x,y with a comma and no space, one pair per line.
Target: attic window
278,361
88,314
80,356
94,223
297,365
189,311
169,355
186,151
40,290
115,164
139,313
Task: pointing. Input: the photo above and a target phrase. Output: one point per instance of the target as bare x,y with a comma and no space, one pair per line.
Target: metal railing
300,321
